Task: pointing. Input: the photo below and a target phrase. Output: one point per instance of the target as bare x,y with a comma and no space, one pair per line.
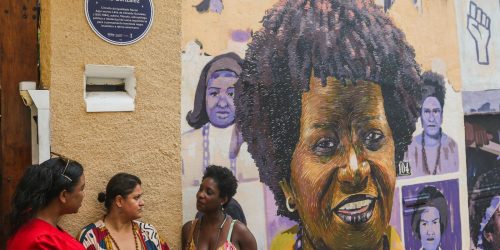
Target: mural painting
431,216
338,135
210,5
433,151
328,156
482,130
478,25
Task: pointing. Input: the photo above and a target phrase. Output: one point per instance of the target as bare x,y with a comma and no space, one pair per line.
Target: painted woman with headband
214,137
215,229
45,193
120,229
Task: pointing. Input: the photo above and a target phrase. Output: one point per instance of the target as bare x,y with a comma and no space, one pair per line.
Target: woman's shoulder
151,237
92,230
97,224
144,226
187,226
240,229
242,235
448,141
38,234
37,228
29,234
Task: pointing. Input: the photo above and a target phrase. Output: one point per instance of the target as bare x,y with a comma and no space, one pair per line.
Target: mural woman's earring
290,209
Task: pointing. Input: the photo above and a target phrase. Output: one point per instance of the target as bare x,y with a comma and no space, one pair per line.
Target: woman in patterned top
119,229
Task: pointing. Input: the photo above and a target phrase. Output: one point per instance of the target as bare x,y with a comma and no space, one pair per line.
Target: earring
290,209
221,207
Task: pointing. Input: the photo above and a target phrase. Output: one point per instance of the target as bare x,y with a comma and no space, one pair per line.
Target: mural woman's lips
356,209
222,114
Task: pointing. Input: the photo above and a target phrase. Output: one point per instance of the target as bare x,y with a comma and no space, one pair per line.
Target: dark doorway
18,62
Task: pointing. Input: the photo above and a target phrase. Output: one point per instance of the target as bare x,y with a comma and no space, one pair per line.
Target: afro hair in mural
350,40
433,85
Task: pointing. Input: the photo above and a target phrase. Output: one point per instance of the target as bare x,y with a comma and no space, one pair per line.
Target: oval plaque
120,22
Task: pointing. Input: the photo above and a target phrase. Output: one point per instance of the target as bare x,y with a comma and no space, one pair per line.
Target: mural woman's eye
325,146
373,140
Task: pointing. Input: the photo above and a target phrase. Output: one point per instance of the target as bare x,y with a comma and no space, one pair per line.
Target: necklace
206,150
218,231
424,156
133,232
298,238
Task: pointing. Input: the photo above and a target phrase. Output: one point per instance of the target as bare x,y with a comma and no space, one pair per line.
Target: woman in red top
45,193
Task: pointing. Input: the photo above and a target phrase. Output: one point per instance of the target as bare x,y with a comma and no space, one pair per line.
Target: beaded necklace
133,232
424,156
206,150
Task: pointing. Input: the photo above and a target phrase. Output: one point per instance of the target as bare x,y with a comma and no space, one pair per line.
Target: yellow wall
213,30
144,142
432,31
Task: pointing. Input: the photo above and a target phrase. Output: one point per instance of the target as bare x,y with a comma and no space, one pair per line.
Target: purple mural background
395,213
451,237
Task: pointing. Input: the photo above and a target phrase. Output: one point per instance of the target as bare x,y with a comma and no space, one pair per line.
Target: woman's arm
185,234
244,238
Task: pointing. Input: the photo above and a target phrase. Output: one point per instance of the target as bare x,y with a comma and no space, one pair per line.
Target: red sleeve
48,242
55,242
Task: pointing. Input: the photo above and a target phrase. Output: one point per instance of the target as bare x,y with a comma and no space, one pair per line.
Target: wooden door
18,62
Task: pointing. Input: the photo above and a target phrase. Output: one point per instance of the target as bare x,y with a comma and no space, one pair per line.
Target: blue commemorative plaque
120,22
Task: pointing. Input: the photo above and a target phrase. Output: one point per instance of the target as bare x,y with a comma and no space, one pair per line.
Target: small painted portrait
432,152
430,218
428,212
484,209
489,228
214,138
482,141
327,101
